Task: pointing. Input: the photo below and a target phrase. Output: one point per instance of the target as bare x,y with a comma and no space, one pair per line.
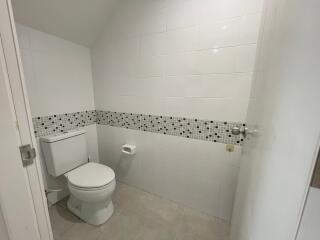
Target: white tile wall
59,80
162,49
191,58
198,174
182,13
57,72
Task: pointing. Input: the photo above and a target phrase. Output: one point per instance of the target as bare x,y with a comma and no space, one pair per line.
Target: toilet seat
91,189
90,176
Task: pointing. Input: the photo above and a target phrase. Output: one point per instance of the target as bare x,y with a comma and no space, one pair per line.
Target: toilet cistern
91,184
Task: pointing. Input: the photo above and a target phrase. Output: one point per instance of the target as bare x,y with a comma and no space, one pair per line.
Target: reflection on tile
139,215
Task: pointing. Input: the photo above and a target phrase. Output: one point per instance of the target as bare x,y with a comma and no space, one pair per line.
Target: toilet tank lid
58,137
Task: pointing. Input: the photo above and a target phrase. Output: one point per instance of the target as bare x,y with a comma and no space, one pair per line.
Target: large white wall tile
253,6
179,61
57,72
183,64
207,86
175,86
245,58
184,58
213,10
230,32
59,80
182,40
204,108
182,13
151,66
220,33
220,60
194,173
151,86
154,44
219,108
249,29
231,86
152,17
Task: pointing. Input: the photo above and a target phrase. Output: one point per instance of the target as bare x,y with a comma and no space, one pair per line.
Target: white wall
179,57
59,80
277,163
58,73
198,174
185,58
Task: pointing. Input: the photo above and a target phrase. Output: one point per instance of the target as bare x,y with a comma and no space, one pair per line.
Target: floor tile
156,229
81,231
63,202
61,220
139,215
124,226
195,225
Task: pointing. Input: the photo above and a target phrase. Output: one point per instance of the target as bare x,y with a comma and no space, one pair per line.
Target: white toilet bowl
91,186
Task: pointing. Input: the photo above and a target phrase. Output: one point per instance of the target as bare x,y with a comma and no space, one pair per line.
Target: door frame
307,188
18,91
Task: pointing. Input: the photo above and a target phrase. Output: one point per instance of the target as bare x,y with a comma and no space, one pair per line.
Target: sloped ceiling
79,21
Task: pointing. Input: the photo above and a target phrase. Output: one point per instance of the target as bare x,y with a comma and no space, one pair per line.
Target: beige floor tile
124,226
222,229
161,209
124,195
63,202
61,220
139,215
195,225
146,204
156,229
195,236
81,231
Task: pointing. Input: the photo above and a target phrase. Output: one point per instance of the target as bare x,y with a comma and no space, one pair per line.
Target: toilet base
92,213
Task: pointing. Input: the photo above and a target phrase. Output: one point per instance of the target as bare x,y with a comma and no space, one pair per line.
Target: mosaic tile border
59,123
206,130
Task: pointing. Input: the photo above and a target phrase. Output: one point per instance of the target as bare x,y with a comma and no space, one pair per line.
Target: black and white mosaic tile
59,123
119,119
206,130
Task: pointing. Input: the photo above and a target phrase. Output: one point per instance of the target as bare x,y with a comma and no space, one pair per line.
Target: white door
23,209
277,161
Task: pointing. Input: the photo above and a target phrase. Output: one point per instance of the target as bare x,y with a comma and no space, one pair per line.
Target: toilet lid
91,175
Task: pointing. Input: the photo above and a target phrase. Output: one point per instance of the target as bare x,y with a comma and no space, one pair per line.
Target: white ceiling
79,21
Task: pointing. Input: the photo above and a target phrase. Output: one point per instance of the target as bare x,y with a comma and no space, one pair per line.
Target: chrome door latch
240,130
28,153
245,131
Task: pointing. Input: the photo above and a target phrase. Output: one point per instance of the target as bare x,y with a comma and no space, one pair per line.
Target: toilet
90,184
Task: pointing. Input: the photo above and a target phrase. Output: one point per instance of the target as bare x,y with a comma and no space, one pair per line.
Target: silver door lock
245,131
28,153
240,130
